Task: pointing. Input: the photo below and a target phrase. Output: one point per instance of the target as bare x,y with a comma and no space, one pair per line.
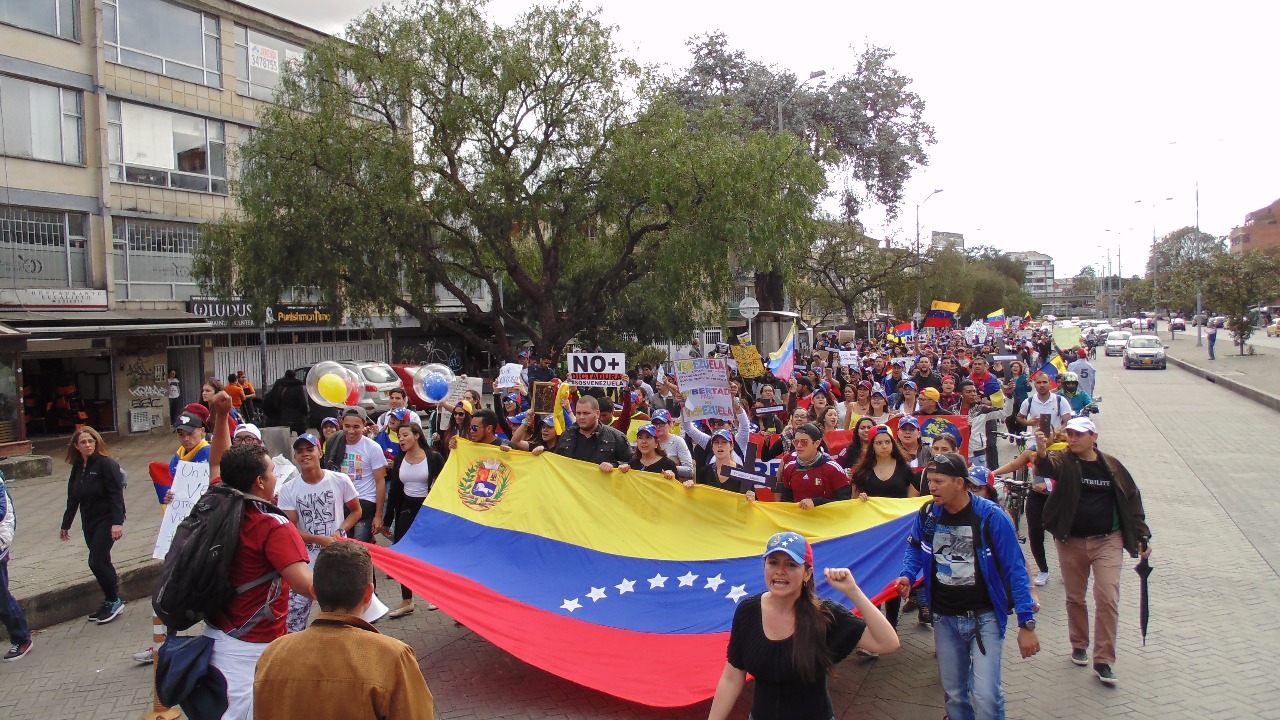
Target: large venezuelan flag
625,583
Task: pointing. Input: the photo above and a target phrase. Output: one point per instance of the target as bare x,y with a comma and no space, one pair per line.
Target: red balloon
354,398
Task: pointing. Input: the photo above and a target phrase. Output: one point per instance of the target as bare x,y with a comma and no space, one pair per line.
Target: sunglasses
802,442
473,428
459,414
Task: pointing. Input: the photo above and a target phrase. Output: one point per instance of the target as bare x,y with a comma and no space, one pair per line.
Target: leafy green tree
845,268
1135,296
1236,283
1180,260
866,126
1086,281
529,172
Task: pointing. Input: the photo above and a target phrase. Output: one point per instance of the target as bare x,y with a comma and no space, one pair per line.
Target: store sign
219,311
262,57
299,315
54,299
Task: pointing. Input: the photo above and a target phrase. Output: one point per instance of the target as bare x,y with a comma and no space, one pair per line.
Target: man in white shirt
397,399
364,461
1087,372
1044,402
314,502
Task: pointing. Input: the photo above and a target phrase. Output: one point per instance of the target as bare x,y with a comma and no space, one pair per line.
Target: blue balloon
435,381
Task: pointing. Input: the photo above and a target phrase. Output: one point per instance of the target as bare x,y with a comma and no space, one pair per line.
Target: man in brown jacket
1094,514
341,668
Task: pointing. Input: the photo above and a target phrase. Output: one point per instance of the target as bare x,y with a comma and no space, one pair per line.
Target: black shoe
1104,673
1080,657
103,609
110,611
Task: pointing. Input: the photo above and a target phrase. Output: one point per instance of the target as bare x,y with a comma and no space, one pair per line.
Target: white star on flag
657,581
571,605
737,592
714,583
687,579
596,594
626,586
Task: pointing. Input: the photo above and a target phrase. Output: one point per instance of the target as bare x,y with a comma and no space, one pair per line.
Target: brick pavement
1191,446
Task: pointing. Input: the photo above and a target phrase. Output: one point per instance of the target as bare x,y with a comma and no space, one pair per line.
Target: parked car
1177,324
376,381
1144,351
1273,329
405,372
1116,342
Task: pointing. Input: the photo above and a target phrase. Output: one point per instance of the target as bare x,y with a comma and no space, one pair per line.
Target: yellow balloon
332,388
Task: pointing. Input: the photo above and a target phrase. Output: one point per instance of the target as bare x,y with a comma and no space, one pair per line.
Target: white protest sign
603,370
848,358
704,382
189,483
459,386
508,376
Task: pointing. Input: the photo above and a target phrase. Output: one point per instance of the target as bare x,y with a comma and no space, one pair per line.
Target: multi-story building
943,239
117,119
1260,231
1038,281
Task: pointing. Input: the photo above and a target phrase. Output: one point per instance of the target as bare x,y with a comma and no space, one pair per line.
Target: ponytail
809,654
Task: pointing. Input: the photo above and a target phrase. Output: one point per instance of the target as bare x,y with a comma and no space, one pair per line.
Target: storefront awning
45,325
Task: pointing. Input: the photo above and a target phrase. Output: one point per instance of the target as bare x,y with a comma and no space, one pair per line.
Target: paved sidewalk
1256,377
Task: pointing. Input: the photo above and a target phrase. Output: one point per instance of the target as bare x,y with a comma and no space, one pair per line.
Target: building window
153,259
166,149
260,59
42,248
41,121
51,17
163,38
710,338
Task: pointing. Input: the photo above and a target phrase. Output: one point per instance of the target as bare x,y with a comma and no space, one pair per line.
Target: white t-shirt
1056,406
320,505
359,462
415,478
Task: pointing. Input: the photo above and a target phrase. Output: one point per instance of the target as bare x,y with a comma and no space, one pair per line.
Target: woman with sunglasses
459,420
812,477
858,444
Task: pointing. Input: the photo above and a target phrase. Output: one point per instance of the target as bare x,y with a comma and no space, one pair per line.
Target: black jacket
96,489
286,402
1060,509
611,447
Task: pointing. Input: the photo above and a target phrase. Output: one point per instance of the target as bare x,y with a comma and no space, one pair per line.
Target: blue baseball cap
979,476
308,438
910,421
330,421
661,416
399,413
649,429
793,544
549,421
512,397
722,433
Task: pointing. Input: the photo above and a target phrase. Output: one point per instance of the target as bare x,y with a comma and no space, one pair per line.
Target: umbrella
1143,569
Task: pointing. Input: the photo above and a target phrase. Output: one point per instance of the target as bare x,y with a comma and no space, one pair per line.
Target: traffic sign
748,308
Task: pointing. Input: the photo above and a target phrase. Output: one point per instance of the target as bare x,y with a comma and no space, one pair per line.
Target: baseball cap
648,428
309,438
949,464
1082,353
979,476
721,433
549,421
909,421
198,410
463,405
512,397
399,413
880,430
188,422
793,544
249,429
931,393
330,421
908,384
661,416
1082,424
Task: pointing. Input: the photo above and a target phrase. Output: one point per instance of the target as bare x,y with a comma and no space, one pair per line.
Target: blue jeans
970,678
10,612
363,529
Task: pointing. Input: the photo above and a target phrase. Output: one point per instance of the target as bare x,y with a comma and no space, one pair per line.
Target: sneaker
405,608
1104,673
102,609
1042,579
17,652
110,611
431,606
867,653
145,657
1080,657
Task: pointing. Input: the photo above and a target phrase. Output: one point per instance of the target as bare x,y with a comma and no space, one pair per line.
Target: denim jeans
363,530
970,678
10,612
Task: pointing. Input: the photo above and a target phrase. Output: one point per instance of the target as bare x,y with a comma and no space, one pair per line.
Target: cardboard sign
750,364
602,370
704,382
189,483
848,358
771,409
459,386
508,376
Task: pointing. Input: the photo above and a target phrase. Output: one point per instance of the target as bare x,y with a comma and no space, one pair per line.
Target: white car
1116,341
1144,351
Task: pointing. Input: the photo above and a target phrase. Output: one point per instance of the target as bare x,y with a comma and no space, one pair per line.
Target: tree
865,126
1086,281
845,266
1180,260
530,172
1135,296
1237,283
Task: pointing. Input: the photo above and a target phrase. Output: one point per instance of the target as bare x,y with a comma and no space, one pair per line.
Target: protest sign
462,384
704,382
848,358
750,365
508,376
1066,337
189,483
603,370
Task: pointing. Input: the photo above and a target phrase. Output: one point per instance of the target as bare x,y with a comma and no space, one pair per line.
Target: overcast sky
1051,119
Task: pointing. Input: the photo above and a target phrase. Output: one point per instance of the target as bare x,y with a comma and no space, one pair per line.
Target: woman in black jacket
96,489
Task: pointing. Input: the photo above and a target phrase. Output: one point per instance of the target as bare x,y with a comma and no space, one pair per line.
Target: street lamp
812,76
918,256
1155,268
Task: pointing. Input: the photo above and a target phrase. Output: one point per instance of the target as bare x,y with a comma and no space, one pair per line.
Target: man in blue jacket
973,572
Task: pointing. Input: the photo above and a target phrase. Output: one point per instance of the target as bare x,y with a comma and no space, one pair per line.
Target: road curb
1262,398
77,600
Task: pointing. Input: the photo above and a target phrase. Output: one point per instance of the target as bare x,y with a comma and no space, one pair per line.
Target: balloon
327,384
352,387
434,381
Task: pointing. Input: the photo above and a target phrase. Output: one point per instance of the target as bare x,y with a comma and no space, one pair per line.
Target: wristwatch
1028,625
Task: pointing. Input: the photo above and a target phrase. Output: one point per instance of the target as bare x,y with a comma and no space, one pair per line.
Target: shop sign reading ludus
241,313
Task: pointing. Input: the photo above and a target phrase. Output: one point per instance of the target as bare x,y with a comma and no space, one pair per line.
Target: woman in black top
789,639
649,455
96,490
722,453
885,472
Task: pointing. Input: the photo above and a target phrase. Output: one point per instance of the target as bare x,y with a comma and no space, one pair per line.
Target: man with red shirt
811,477
270,547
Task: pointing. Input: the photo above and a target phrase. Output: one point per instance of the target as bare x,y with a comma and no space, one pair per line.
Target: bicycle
1092,408
1017,487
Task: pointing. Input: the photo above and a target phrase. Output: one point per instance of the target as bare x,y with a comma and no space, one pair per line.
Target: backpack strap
272,595
242,589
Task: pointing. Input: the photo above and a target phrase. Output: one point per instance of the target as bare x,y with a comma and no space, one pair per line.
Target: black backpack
195,580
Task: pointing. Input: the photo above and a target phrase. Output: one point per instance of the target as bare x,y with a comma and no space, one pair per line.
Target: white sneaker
145,657
1042,579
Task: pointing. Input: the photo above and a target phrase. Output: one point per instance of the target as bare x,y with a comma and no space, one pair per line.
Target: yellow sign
750,365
